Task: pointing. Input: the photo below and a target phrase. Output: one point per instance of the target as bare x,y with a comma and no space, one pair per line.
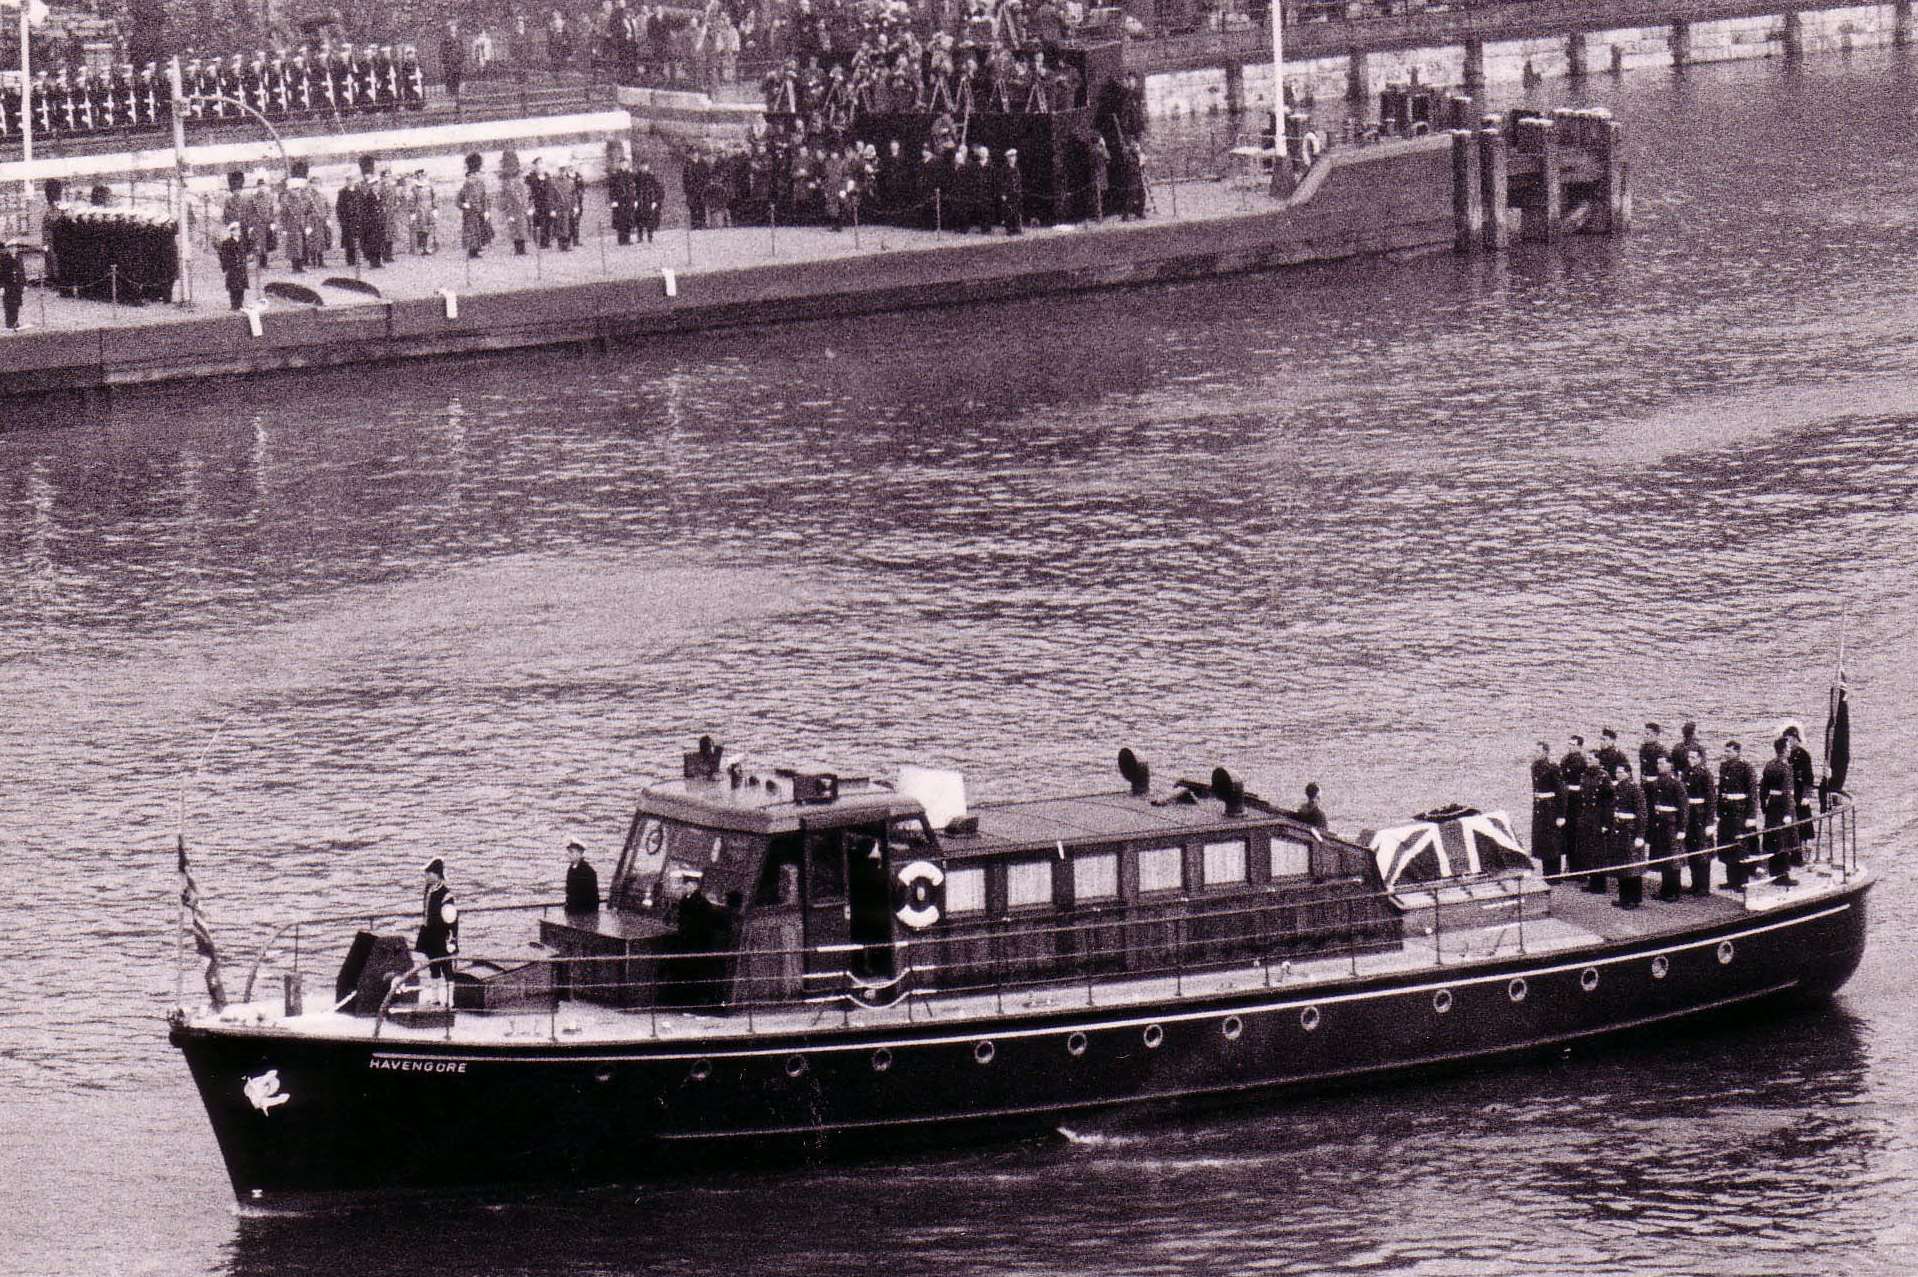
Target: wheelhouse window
1028,883
1291,858
1095,876
965,891
1224,862
1161,869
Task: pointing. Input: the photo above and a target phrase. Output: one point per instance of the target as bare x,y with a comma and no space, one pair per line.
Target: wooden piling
1578,55
1468,217
1613,191
1901,24
1793,36
1235,87
1543,210
1475,67
1679,41
1491,182
1357,89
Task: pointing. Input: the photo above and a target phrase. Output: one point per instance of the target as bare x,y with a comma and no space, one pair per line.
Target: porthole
701,1070
881,1060
1660,966
984,1051
1442,1001
1232,1028
1588,979
1724,952
1076,1044
1517,989
1309,1019
1154,1035
795,1066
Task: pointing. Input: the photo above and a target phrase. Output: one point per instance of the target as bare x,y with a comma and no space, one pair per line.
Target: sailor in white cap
582,882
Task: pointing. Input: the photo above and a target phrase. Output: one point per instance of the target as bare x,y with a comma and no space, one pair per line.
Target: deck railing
1182,943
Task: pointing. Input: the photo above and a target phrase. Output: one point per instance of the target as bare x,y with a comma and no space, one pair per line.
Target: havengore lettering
417,1066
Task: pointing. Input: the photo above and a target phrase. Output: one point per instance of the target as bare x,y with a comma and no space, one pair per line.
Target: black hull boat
889,972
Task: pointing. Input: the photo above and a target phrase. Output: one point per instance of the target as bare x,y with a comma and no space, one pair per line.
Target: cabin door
849,902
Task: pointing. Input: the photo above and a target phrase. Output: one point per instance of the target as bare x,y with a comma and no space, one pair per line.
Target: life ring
919,882
1310,146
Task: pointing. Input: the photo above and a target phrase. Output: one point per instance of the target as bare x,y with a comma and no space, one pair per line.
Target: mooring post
1901,24
1491,179
1679,41
1578,55
1792,35
1234,87
1467,207
1475,67
1613,189
1539,215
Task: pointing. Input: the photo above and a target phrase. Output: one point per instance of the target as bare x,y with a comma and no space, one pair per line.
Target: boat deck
1578,921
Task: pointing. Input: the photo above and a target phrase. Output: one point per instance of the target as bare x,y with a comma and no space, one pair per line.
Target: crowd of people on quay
1596,816
329,80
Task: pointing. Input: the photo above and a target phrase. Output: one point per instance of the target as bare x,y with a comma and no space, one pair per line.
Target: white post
1278,69
26,118
185,237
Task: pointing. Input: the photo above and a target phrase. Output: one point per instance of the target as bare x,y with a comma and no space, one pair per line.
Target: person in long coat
565,196
1594,825
423,217
1548,812
350,208
476,226
303,223
513,213
651,197
233,255
259,217
1628,838
539,194
622,200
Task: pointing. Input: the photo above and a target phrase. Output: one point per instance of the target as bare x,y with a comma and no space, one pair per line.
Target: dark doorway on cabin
849,901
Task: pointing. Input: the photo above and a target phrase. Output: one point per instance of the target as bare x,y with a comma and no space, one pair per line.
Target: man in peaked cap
1650,750
1609,755
582,882
1804,784
1737,815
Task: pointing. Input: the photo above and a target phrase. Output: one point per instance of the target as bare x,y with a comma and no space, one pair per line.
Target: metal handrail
1833,840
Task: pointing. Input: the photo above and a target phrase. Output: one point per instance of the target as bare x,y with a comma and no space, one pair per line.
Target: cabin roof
1119,816
770,808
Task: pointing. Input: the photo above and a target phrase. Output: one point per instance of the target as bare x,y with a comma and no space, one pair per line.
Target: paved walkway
600,257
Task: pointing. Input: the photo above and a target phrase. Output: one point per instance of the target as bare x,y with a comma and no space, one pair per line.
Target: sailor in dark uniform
1571,770
1666,831
1650,750
1737,815
439,936
1628,838
1311,813
1701,821
1687,742
1548,812
582,883
1594,826
1779,801
1610,756
1805,786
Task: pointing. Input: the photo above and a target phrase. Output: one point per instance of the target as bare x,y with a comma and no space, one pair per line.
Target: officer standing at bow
1650,750
1804,785
1628,838
1701,822
1668,801
1548,812
1780,802
1571,769
1737,815
1610,756
1595,826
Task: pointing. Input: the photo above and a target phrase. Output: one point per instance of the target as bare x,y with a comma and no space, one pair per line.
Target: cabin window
965,891
1290,858
827,853
1028,882
1224,862
1095,877
1161,869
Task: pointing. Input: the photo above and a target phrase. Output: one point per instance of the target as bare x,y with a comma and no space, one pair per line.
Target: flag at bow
193,922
